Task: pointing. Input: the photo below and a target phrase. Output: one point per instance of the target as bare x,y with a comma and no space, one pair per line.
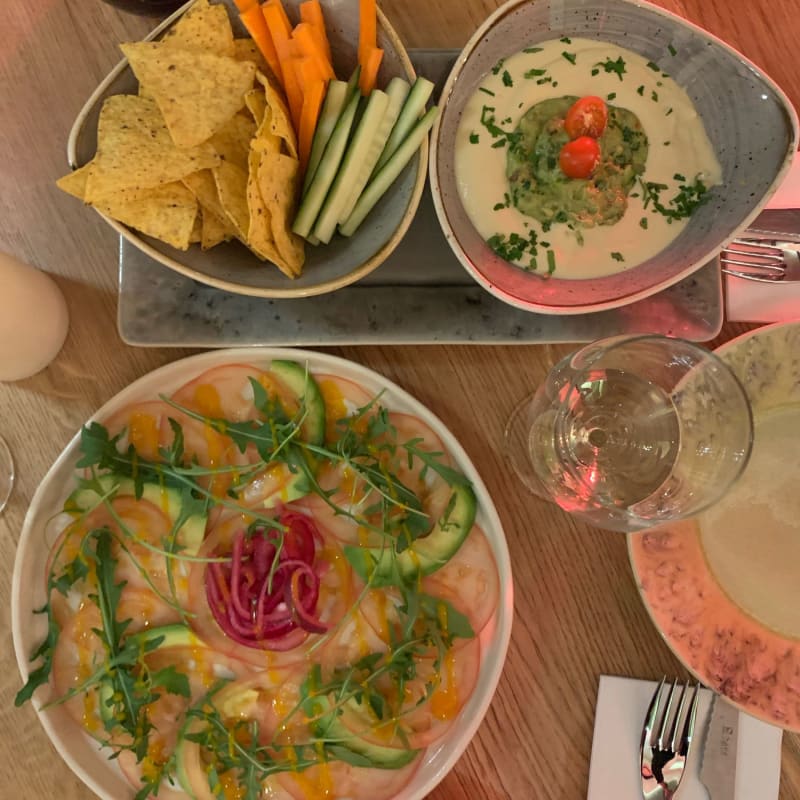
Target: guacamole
537,186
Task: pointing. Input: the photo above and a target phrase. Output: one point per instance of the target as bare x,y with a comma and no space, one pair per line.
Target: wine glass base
6,473
517,446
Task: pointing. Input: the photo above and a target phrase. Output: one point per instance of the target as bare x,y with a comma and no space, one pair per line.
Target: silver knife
718,770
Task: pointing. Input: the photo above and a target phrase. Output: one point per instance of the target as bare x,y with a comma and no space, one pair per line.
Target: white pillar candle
33,319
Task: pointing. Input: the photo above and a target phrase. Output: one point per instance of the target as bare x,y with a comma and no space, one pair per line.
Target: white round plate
28,584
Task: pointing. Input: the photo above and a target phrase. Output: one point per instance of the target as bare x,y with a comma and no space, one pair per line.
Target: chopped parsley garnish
474,138
488,121
654,96
507,81
617,256
551,262
643,223
617,66
565,39
640,91
678,177
498,66
569,56
595,71
690,196
547,79
669,111
535,73
532,50
610,96
653,66
672,50
667,143
486,91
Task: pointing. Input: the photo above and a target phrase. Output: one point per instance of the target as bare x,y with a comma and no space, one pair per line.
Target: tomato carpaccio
240,605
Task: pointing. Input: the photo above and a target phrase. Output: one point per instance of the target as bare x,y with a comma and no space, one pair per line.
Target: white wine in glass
630,432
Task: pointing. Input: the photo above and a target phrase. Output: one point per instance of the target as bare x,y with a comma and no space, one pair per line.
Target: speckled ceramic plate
232,267
749,120
724,589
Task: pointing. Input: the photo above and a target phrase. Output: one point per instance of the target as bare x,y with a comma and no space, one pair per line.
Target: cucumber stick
384,178
409,115
327,169
335,99
351,167
397,92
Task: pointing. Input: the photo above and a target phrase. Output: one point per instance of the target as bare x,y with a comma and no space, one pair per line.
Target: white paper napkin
747,301
614,772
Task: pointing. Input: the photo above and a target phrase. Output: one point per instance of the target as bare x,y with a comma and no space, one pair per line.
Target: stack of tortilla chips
205,152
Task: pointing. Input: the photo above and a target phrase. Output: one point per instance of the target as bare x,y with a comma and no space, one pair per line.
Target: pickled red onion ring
259,604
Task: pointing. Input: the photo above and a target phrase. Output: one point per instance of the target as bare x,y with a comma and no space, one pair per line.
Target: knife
718,769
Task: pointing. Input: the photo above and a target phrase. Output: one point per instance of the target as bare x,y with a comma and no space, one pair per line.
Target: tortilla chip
196,235
278,180
256,102
231,184
232,141
165,212
265,141
74,183
205,28
214,230
135,150
281,121
247,50
197,92
260,239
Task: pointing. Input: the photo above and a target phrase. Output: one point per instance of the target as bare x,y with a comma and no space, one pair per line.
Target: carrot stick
369,70
284,47
243,5
280,12
311,12
303,34
293,89
309,116
367,30
256,26
308,71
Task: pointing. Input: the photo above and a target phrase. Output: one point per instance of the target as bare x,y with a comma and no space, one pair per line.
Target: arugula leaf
172,681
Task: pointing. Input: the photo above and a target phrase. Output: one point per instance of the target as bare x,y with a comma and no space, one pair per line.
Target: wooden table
578,613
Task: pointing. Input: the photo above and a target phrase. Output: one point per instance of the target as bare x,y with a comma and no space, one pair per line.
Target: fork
763,261
664,752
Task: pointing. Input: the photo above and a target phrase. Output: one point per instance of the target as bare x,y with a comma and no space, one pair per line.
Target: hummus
656,166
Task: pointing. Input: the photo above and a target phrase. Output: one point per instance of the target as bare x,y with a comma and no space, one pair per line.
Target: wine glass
6,473
633,431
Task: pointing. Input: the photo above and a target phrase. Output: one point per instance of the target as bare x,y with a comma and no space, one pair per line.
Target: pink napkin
746,301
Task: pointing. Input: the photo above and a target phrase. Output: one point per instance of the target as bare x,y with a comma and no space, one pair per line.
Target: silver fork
664,750
765,261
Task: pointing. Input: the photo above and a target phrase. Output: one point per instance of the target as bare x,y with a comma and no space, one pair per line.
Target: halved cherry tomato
586,117
580,157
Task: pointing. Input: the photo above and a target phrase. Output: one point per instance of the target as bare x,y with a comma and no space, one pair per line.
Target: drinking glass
633,431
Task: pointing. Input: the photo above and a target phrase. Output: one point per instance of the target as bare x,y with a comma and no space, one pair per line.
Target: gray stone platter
420,295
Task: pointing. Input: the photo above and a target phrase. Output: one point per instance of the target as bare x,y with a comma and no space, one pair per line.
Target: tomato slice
342,399
580,157
469,581
353,494
336,779
423,724
226,392
586,117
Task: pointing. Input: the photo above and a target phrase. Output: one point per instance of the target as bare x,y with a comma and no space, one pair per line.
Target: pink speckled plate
724,588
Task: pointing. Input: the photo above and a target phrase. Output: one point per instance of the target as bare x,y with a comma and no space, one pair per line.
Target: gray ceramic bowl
233,267
749,121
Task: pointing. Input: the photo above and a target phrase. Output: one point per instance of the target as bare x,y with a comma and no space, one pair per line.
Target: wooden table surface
578,614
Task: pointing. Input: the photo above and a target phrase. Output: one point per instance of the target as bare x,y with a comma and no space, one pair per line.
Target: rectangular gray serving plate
420,295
